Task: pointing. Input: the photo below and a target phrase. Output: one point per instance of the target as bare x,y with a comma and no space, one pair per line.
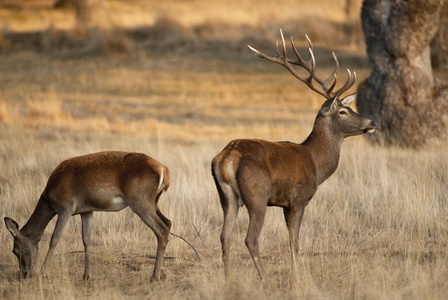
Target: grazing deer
259,173
104,181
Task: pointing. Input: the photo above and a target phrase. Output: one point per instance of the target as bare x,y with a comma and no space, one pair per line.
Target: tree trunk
409,105
439,45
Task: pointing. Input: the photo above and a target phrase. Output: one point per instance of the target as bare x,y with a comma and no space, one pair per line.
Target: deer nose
370,128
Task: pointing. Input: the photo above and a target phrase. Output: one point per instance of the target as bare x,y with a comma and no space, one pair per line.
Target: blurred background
127,65
84,64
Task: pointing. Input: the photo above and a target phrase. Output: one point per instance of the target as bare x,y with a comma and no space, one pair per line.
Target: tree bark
439,45
409,105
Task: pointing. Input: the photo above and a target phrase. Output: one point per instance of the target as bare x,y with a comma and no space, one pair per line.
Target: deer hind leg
256,219
168,224
293,218
255,191
57,233
230,210
229,203
163,218
87,220
159,225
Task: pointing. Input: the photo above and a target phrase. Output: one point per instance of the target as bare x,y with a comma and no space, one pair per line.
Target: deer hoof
162,277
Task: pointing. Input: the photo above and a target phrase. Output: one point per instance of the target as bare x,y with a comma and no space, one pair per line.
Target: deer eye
342,112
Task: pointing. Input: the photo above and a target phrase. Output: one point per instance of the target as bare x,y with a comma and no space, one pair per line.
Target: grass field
377,229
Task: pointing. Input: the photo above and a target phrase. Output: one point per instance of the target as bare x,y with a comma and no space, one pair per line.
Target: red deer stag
259,173
105,181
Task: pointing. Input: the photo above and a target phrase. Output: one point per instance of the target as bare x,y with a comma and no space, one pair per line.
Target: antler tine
330,89
309,42
309,65
313,63
351,83
262,55
285,59
277,50
336,69
348,83
332,77
301,62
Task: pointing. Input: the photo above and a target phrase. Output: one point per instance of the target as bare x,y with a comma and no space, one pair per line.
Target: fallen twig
197,231
188,244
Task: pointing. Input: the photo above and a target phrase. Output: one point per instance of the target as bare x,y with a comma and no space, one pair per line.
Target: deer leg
151,218
293,218
59,228
230,209
165,220
229,204
255,191
256,219
87,220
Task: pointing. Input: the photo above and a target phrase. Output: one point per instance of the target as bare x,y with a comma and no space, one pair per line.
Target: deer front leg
293,218
87,220
59,228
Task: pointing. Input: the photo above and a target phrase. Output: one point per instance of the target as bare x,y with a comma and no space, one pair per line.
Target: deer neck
325,148
42,215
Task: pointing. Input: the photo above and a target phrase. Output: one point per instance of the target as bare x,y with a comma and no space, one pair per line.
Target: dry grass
376,229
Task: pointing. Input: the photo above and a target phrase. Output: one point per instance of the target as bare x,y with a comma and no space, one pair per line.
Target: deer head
24,249
341,119
335,112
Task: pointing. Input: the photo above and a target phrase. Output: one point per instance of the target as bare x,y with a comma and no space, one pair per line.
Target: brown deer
259,173
104,181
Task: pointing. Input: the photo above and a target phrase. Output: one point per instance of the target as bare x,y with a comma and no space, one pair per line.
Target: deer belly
280,196
117,203
105,201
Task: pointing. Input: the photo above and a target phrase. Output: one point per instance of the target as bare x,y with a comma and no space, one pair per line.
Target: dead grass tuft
47,109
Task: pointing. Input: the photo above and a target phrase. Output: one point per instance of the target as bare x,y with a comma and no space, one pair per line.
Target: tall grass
376,229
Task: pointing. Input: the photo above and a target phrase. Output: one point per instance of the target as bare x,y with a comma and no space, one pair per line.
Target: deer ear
12,226
348,100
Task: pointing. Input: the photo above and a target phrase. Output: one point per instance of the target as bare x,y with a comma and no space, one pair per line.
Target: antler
326,86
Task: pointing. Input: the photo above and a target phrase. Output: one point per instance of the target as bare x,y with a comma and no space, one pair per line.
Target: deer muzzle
370,128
